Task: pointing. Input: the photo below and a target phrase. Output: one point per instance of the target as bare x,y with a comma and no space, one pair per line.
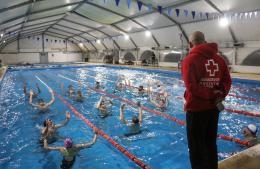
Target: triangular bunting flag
177,12
207,15
200,14
193,14
159,9
186,12
117,2
169,11
150,7
129,3
255,13
140,4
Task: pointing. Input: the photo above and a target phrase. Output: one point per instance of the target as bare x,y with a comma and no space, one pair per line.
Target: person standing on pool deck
207,81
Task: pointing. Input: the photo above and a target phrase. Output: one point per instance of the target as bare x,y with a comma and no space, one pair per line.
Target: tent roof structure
91,20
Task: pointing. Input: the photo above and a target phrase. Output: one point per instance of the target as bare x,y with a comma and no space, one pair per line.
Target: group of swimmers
155,92
49,130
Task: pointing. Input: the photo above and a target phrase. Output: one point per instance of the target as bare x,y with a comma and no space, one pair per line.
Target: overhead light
2,34
126,37
69,7
223,22
148,33
175,52
4,41
81,44
98,41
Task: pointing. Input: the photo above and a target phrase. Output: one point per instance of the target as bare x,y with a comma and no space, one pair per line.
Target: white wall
30,48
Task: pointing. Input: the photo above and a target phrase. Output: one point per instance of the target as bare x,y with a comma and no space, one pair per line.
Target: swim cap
252,128
68,143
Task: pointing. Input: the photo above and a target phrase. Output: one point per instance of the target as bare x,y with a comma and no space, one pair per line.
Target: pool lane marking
220,136
237,87
105,136
100,132
43,82
129,102
232,95
242,112
244,97
246,113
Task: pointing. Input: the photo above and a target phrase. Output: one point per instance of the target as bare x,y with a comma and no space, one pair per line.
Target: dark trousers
202,130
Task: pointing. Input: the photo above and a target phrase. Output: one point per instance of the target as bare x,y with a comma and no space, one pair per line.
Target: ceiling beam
40,11
98,29
75,8
57,33
19,5
123,16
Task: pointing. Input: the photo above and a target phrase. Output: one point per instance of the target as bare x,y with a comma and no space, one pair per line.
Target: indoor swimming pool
162,144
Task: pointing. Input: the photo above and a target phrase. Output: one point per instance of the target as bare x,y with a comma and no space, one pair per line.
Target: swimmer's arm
64,122
24,89
99,102
51,148
87,145
38,88
52,99
30,100
140,114
122,116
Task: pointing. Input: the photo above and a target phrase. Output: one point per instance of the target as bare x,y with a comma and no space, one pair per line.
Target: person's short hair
197,38
135,120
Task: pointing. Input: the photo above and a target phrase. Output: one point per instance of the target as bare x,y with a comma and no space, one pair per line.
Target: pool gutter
2,72
247,159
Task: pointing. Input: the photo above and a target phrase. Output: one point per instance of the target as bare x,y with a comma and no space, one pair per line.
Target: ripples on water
161,144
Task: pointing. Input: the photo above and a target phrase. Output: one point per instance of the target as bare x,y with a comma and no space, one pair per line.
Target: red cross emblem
211,67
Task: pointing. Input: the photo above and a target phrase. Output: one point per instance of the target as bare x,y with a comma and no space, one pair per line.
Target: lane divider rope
220,136
129,102
100,132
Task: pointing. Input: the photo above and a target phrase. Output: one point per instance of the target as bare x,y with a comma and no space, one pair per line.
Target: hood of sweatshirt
205,49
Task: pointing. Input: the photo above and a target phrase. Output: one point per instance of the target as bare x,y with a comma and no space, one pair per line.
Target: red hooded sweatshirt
206,78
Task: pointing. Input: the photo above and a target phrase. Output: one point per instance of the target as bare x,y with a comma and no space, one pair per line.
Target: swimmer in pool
71,91
250,134
69,151
103,105
49,130
135,123
97,85
41,104
34,93
160,101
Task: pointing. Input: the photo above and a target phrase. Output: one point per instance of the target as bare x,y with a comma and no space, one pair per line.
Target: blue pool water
162,144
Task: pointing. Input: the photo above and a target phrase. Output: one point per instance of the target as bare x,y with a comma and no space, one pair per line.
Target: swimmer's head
47,122
135,120
140,88
41,102
250,129
122,106
138,103
79,93
70,86
68,143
